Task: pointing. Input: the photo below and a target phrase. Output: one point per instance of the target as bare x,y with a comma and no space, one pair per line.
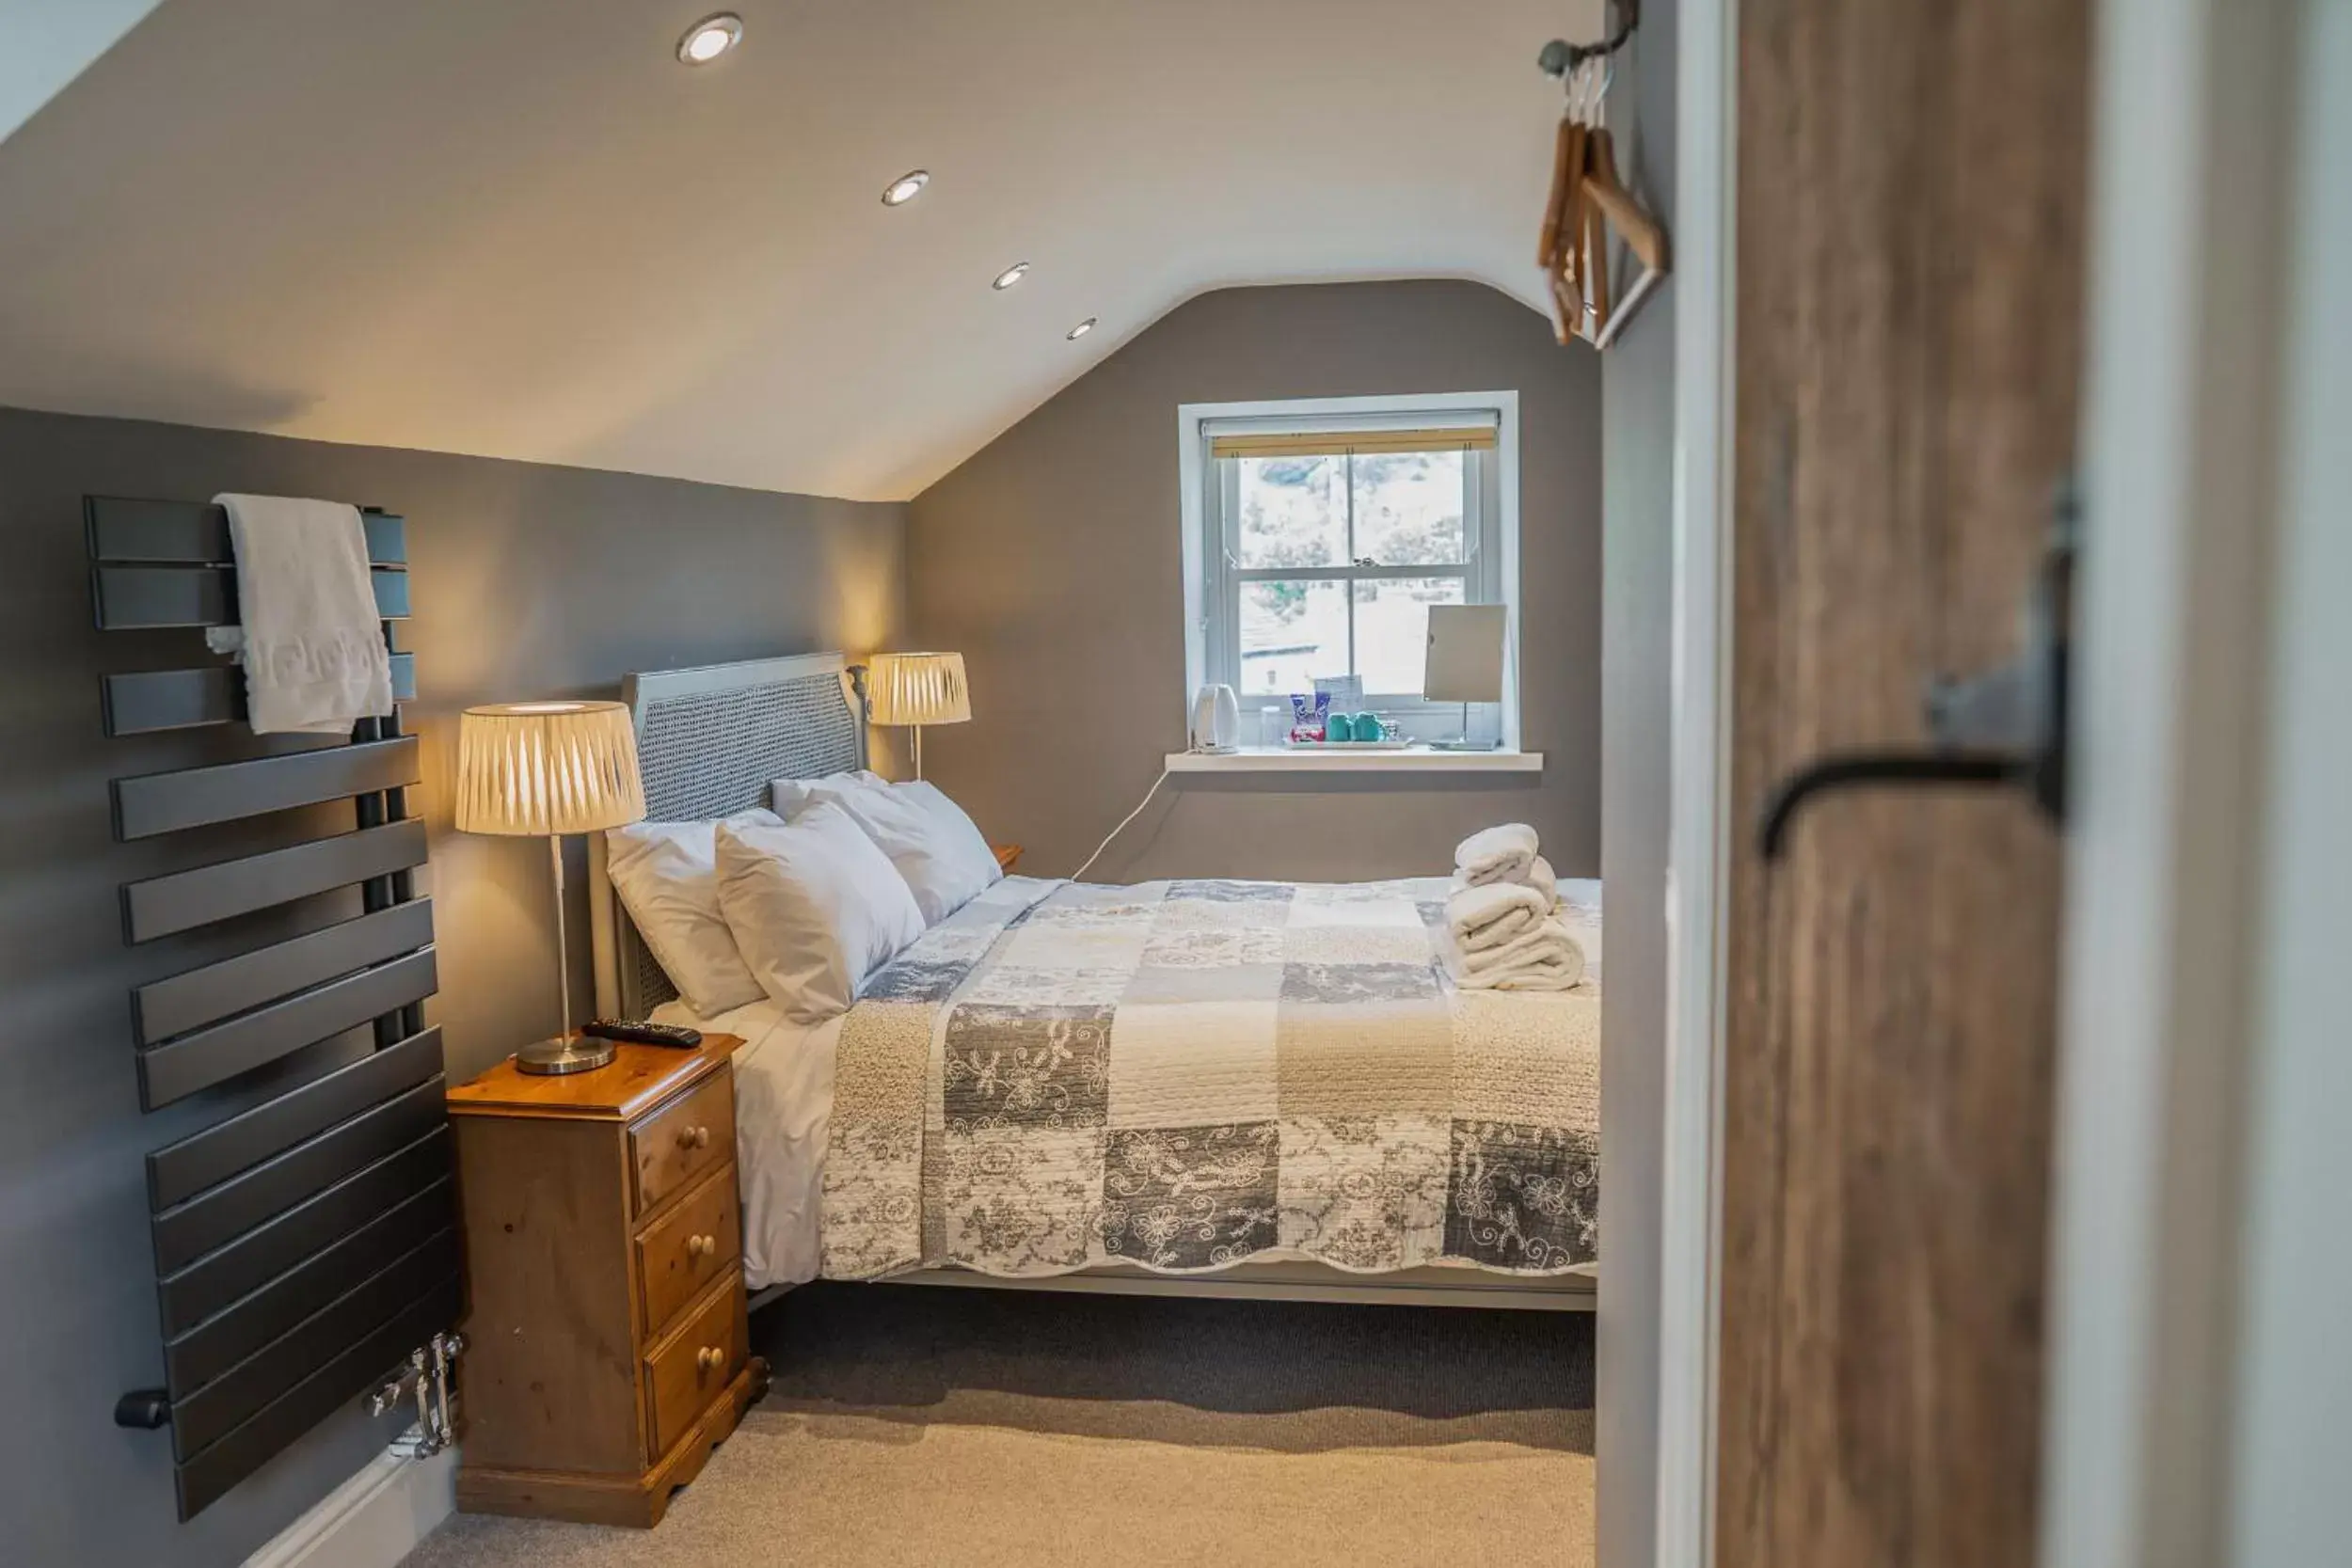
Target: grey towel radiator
305,1245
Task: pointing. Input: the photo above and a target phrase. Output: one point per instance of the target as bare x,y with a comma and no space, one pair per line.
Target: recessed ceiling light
710,38
1082,329
906,187
1010,275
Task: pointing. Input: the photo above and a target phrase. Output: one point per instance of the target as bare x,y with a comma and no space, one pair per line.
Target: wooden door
1910,212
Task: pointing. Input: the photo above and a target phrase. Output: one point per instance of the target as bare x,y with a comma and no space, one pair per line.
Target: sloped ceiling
521,228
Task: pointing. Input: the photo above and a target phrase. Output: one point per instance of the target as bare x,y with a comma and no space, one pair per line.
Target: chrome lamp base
560,1058
567,1052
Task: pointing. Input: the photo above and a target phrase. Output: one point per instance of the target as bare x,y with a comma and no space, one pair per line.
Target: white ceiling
521,228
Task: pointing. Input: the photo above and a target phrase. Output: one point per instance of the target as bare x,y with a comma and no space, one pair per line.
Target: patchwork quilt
1186,1075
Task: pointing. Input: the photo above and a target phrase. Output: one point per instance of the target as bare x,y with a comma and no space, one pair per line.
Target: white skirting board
373,1520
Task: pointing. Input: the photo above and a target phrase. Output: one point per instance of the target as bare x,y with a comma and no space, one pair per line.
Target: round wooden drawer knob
710,1358
693,1137
701,1246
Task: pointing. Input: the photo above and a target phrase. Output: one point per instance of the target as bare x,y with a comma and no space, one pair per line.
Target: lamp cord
1122,825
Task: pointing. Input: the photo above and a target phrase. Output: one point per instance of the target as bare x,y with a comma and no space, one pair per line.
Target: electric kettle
1216,719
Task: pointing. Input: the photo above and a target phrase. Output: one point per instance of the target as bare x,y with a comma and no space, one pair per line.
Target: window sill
1305,759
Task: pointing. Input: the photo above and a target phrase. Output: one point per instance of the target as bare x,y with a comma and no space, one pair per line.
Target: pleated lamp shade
547,767
917,689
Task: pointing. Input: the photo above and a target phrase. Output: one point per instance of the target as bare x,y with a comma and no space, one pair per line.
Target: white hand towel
1537,976
1496,854
1538,876
1510,928
1489,916
312,644
1546,958
1549,936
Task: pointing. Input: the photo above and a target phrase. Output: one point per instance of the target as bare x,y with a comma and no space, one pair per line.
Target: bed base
1577,1290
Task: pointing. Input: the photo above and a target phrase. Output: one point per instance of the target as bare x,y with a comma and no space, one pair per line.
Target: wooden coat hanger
1606,197
1562,240
1587,199
1596,240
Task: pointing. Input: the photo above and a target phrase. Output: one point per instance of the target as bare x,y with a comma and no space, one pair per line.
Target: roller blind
1334,443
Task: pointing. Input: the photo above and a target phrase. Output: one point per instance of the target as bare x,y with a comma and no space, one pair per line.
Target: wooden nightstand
1006,855
606,1340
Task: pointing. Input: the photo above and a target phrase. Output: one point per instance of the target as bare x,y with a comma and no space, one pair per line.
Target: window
1318,535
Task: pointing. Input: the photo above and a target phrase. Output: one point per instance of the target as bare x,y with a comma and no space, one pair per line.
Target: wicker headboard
708,742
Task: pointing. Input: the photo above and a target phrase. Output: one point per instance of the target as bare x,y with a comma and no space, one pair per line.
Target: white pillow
788,795
815,907
927,836
667,875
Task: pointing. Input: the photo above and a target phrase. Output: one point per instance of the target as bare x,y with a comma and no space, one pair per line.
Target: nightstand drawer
670,1148
686,1372
685,1249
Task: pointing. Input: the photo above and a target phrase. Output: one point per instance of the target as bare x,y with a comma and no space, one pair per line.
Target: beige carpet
924,1427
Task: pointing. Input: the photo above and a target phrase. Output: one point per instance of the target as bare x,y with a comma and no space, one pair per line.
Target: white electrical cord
1122,825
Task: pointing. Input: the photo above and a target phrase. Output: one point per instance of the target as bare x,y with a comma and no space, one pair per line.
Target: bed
1297,1106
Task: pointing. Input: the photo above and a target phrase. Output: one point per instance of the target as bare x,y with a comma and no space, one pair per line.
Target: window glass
1393,629
1294,512
1408,508
1291,632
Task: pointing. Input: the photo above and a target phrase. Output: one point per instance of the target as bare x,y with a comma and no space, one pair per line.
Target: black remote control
676,1037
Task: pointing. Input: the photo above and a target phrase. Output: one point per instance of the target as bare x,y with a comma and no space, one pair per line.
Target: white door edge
1696,881
2180,431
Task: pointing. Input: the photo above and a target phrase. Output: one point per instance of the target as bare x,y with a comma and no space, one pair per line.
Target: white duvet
783,1102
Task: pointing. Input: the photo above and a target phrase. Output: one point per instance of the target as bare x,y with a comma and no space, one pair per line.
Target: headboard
708,742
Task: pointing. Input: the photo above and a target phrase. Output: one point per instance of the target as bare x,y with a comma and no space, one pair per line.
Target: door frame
1698,826
2182,445
2180,457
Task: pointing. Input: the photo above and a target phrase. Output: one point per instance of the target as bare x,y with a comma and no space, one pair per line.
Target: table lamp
551,768
1465,662
916,689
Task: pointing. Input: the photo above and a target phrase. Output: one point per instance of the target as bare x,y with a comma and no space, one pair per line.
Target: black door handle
1843,770
2005,728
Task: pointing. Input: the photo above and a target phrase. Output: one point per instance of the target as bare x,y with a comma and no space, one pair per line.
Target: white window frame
1492,577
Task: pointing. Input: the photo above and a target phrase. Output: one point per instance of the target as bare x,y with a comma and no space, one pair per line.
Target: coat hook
1560,58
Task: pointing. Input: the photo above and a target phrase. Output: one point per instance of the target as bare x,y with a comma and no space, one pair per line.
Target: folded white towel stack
1538,876
1496,855
1503,930
308,634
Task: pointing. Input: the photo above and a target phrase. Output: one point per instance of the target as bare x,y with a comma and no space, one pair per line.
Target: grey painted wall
529,581
1637,623
1051,560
